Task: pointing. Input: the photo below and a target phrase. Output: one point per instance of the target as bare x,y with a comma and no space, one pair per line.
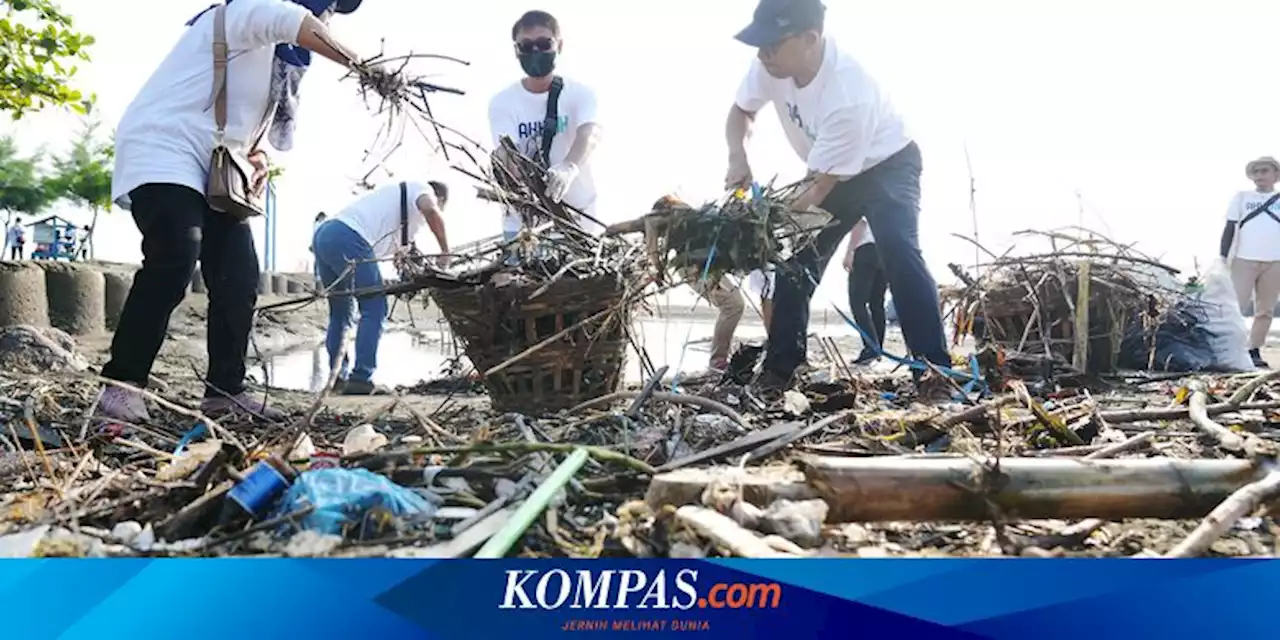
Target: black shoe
866,357
1256,355
338,385
771,383
362,388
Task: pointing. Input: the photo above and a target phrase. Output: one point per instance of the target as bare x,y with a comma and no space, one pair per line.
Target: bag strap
219,97
1264,208
220,70
404,214
551,124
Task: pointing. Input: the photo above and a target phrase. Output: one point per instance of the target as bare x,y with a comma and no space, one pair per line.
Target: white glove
559,179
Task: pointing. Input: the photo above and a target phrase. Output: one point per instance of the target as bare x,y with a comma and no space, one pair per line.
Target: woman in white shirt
867,286
163,149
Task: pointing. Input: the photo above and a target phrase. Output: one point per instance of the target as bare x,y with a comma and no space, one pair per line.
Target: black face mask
538,64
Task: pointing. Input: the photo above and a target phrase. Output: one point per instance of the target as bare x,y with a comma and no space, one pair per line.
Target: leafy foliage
22,187
37,62
83,174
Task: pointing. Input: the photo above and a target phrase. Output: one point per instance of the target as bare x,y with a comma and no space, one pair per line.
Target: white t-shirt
761,283
518,114
1259,238
840,124
376,216
12,235
167,132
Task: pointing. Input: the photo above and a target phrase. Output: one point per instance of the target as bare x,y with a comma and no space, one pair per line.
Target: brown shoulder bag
230,184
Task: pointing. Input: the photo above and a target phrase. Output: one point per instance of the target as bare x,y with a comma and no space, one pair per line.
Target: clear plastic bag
1224,323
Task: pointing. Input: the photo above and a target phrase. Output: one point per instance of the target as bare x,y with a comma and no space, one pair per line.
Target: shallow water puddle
403,359
406,358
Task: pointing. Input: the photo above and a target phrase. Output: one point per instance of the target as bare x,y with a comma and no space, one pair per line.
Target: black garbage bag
1180,341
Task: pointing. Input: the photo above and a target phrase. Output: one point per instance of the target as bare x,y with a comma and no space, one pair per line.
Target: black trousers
888,196
15,252
178,229
867,286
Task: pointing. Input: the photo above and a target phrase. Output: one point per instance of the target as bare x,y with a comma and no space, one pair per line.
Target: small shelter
54,238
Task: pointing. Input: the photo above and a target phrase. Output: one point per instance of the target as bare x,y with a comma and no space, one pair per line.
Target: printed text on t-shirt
793,112
531,129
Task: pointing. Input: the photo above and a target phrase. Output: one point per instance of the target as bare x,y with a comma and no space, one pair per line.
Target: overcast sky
1135,118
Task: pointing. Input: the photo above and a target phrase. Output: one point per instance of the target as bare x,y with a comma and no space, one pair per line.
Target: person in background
163,150
761,284
68,245
367,231
86,237
721,293
1251,246
318,366
15,238
861,161
519,111
867,286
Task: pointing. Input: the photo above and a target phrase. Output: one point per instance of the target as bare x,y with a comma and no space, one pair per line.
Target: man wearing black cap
861,161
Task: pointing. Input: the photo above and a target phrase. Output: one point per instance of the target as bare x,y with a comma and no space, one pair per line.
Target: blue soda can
261,486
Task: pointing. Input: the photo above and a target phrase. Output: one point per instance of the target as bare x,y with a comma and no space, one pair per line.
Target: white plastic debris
311,544
795,403
363,439
304,450
126,532
23,543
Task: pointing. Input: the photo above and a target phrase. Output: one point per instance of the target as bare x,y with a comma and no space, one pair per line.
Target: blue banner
787,599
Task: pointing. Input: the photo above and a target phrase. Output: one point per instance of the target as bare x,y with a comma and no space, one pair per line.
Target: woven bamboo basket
498,322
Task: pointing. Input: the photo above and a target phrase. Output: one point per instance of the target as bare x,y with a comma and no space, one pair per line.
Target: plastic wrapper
342,497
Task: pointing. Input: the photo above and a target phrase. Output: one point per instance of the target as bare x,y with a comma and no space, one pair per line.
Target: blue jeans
336,245
889,197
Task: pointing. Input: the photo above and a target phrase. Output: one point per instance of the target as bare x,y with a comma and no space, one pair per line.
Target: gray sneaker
121,404
241,404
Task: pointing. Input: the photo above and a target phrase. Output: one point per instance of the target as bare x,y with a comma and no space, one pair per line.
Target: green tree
38,52
22,186
83,174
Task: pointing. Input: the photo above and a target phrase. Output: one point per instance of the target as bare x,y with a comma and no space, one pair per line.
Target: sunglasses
536,45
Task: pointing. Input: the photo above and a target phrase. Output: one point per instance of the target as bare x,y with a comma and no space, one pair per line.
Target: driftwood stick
1199,415
1136,442
1245,392
1177,413
1238,505
676,398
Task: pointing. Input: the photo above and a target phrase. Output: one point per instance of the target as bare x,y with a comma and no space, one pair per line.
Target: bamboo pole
956,488
1080,357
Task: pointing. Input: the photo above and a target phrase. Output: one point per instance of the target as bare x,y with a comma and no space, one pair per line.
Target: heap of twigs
1028,302
736,234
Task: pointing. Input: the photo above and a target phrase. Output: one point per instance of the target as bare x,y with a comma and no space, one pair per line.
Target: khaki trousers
727,299
1260,282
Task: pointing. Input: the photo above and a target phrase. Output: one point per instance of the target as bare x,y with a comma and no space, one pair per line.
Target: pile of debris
862,467
1089,305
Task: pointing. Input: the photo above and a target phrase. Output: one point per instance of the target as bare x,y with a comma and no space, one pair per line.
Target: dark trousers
15,252
178,229
889,197
867,285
